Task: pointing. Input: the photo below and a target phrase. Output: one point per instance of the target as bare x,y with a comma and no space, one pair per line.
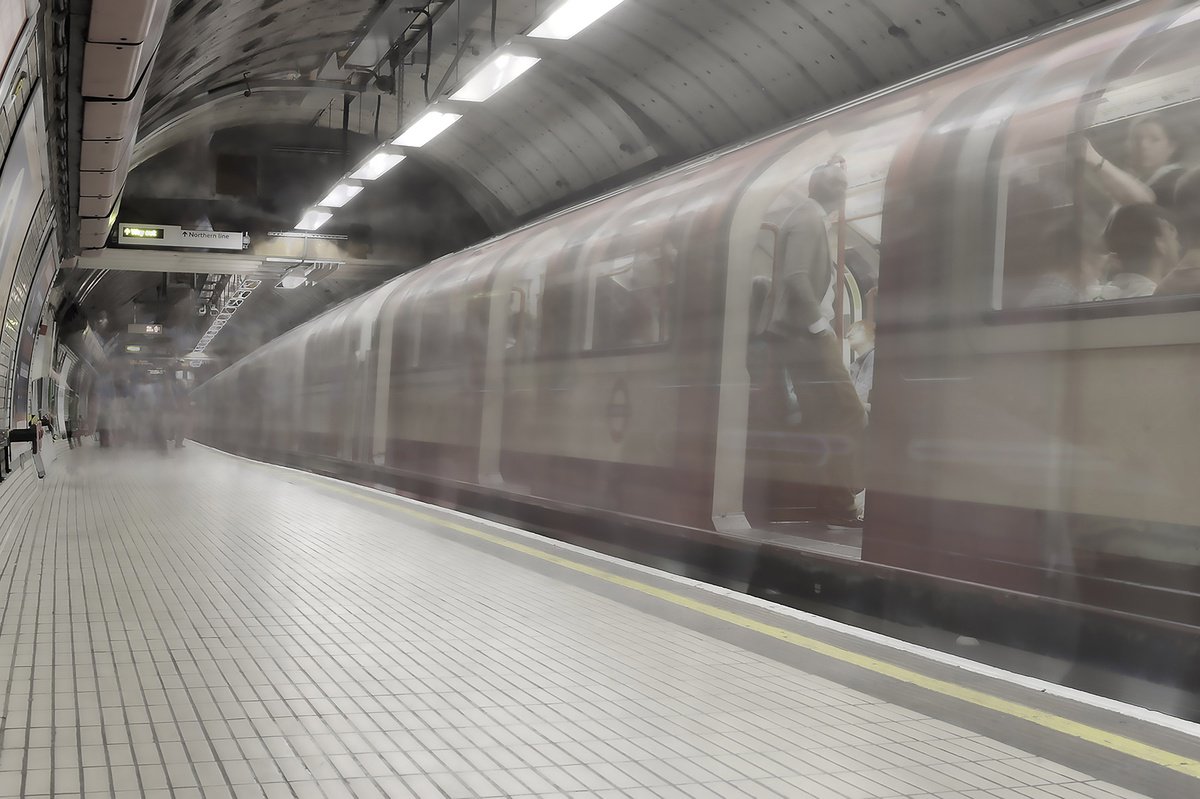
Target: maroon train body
595,362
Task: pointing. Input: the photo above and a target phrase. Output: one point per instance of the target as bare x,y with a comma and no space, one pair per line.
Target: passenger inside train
1078,272
1145,245
1129,189
861,338
1155,150
821,399
1152,150
1139,247
1185,279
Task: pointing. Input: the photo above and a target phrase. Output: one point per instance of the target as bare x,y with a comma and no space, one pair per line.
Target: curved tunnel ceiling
212,43
652,83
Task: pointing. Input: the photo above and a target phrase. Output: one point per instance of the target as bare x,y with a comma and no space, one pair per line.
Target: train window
404,339
439,333
1103,189
558,322
629,300
526,333
524,314
540,295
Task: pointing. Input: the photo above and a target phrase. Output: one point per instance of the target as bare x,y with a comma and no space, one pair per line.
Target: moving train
1027,461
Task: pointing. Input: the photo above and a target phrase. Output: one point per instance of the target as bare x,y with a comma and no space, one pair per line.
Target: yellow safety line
1084,732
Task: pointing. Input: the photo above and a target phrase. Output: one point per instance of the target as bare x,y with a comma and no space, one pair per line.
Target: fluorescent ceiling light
295,277
572,17
426,129
494,76
377,166
293,281
313,219
340,194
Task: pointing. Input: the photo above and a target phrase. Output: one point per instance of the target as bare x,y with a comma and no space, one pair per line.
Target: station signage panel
175,236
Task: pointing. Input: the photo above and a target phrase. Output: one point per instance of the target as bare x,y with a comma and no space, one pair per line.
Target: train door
433,418
276,398
295,385
480,350
325,369
354,345
361,394
310,399
799,336
352,386
515,367
506,300
250,413
395,354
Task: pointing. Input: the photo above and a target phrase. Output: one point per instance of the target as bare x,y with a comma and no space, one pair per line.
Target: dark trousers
823,405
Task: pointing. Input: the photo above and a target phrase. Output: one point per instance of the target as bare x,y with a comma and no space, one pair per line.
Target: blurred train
1029,466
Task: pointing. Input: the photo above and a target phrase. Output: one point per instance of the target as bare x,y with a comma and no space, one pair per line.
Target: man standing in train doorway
824,408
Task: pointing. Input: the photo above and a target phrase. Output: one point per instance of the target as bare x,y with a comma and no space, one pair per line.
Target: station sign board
175,236
146,330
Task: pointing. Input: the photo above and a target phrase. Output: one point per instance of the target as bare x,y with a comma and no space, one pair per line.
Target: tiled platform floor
200,626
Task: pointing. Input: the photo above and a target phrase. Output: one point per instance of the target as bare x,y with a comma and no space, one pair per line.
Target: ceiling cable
428,45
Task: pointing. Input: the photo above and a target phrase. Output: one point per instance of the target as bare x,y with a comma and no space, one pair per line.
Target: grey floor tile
248,637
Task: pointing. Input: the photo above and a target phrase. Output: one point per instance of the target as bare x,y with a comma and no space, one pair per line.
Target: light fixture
292,281
241,291
313,219
340,194
377,166
493,76
572,17
132,348
427,128
295,277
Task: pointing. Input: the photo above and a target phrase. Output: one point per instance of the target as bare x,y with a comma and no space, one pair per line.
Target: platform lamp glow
314,219
295,277
571,17
343,192
379,164
428,127
499,71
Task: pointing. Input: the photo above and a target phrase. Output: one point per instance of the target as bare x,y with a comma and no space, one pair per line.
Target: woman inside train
1155,150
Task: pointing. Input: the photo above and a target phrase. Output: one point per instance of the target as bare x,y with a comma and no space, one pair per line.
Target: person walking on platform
37,431
48,422
181,406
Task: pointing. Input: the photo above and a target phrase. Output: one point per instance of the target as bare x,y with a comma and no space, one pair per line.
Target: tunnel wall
28,252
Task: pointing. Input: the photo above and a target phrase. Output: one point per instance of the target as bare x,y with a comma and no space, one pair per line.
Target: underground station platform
200,625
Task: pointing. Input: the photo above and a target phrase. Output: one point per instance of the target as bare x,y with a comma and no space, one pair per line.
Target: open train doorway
799,346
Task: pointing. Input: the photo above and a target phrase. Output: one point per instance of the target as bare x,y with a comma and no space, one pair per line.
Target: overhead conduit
119,49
